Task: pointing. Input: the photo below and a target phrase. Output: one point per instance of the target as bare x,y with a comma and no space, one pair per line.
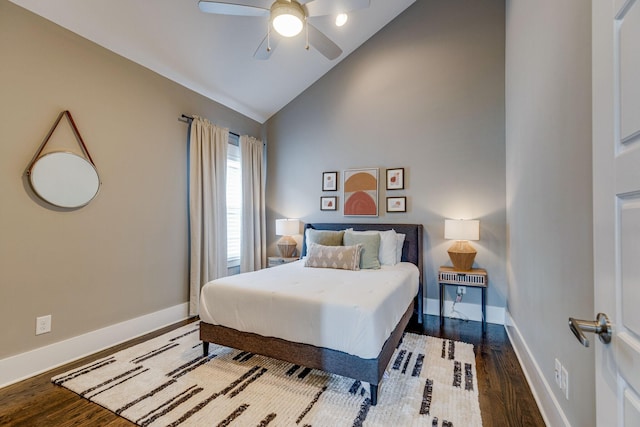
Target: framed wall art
395,179
330,181
396,204
329,203
360,192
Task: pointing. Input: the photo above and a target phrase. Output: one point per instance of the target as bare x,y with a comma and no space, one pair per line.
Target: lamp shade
460,229
287,227
287,17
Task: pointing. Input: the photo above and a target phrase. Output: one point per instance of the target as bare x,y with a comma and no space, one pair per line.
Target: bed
239,326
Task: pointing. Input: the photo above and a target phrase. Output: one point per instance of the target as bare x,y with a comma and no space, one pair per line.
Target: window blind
234,202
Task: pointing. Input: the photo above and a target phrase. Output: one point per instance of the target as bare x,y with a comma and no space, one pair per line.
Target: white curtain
207,206
253,247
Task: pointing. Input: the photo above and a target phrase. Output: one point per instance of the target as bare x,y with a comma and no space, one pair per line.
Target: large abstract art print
360,192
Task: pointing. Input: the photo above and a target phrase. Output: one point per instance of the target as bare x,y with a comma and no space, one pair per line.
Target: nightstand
278,260
474,278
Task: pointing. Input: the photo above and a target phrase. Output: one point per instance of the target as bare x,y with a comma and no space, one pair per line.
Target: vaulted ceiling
213,54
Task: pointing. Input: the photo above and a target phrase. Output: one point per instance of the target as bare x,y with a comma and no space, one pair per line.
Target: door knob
601,326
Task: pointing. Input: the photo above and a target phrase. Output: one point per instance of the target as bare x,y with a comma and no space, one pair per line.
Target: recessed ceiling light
341,19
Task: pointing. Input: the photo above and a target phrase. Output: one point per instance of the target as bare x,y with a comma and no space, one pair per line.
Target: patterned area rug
167,382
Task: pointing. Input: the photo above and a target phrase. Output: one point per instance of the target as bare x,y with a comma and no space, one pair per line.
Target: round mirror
64,179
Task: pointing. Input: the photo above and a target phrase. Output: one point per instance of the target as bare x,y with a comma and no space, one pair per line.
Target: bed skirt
310,356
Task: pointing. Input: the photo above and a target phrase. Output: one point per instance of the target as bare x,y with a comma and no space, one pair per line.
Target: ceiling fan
288,18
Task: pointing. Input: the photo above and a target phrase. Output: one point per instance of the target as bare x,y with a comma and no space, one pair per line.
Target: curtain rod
187,119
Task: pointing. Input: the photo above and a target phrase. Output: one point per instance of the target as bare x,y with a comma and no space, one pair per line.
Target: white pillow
388,241
399,244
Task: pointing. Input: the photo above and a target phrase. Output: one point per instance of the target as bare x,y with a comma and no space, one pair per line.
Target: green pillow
324,237
370,248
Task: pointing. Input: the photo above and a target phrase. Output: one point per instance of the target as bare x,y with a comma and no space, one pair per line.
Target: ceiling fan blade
234,7
263,52
322,43
333,7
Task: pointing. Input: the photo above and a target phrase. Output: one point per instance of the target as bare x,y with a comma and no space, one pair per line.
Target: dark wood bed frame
337,362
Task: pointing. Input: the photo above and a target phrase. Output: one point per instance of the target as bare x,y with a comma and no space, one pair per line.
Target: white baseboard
467,311
550,409
34,362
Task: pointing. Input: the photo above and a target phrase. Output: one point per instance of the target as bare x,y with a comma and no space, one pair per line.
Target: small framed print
330,181
395,179
396,204
329,203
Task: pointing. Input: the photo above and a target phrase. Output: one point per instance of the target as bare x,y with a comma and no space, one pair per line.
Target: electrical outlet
43,324
557,373
564,379
462,290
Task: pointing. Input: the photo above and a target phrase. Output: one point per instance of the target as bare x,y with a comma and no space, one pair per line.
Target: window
234,202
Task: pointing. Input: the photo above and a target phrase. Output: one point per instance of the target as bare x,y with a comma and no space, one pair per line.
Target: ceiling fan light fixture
287,17
341,19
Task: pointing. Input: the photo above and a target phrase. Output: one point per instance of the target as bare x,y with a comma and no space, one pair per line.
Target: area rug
166,381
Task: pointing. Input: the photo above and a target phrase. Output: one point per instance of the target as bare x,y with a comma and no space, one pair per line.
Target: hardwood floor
505,397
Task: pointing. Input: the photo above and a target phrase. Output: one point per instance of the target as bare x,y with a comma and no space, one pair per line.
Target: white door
616,197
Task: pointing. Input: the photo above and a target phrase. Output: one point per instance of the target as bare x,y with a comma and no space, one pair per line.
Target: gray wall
125,254
426,93
549,203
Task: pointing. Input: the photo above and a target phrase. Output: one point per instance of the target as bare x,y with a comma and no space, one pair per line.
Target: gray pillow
324,237
340,257
370,248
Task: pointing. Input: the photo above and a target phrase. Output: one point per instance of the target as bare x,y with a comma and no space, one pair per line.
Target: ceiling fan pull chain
268,37
306,25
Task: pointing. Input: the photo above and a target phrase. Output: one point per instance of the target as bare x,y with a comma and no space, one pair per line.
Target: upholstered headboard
411,251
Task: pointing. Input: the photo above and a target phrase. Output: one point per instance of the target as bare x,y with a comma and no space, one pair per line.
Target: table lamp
286,228
461,252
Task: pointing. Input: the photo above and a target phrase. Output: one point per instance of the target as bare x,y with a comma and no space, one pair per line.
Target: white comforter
349,311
